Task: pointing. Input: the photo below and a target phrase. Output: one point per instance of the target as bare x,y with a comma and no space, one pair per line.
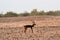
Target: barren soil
46,28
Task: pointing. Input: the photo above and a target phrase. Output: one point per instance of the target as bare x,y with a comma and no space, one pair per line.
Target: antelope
29,26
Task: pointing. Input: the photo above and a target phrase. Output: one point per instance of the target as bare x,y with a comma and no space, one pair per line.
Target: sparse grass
46,28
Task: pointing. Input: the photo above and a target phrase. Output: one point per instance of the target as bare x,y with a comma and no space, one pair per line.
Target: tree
57,13
34,12
54,13
1,15
42,13
11,14
25,14
50,13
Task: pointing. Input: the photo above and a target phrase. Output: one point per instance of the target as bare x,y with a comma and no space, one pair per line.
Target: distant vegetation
34,12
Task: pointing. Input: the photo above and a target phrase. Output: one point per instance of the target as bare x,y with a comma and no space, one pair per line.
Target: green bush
25,14
1,15
11,14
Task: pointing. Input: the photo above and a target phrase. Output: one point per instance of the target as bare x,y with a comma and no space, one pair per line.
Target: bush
25,14
1,15
10,14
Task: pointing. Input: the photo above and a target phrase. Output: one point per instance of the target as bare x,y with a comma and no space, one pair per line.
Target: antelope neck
32,24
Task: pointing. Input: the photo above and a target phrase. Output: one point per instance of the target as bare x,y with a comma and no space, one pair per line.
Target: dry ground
46,28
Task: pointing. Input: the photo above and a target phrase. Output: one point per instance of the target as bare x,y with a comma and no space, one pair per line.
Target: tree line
34,12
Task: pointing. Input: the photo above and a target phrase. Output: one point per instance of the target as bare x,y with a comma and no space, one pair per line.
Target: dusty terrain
46,28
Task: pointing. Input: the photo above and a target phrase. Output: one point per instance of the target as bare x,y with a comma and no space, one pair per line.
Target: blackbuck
29,26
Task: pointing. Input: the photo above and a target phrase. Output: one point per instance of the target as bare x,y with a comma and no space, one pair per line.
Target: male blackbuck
29,26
